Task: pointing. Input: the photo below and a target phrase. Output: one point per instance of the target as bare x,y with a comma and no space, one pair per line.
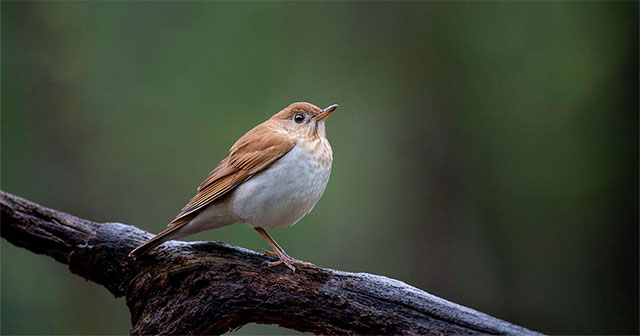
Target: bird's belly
282,194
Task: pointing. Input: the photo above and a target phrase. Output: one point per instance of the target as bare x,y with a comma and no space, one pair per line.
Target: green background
486,152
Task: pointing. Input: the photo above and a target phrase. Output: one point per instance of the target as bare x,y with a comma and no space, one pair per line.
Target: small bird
274,175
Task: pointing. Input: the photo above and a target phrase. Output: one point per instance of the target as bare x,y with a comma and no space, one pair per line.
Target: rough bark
211,288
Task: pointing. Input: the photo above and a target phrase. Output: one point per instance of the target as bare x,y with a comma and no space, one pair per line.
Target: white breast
283,193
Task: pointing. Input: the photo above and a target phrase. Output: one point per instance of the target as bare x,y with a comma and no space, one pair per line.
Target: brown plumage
253,153
246,159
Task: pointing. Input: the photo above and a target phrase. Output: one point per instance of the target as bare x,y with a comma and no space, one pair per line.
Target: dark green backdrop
486,152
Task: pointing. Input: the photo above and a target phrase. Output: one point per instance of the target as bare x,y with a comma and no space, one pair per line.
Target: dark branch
210,288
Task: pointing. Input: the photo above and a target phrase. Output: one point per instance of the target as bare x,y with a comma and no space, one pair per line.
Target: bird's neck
318,147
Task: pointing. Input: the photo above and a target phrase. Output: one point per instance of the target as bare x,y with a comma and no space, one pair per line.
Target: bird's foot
289,262
285,259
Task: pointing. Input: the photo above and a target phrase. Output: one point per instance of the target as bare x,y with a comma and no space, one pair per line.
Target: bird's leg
280,253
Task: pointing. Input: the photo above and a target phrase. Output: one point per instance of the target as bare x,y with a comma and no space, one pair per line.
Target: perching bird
274,175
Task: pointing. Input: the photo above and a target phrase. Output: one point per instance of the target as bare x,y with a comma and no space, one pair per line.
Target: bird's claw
285,259
276,263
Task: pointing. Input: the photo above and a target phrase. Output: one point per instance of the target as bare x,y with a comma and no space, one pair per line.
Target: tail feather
157,239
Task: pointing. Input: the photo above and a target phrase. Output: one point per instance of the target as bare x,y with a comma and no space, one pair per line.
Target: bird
273,176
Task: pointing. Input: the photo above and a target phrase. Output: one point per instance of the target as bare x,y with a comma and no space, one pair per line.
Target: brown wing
253,152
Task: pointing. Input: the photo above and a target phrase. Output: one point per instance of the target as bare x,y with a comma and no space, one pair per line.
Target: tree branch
211,288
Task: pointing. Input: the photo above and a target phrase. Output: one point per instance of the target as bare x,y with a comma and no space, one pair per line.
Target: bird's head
304,119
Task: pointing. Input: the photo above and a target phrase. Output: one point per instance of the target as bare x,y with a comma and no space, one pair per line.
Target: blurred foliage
485,152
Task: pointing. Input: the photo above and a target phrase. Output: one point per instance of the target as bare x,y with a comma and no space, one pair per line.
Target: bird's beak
325,113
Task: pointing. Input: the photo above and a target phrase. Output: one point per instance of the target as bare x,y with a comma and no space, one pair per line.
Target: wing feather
252,153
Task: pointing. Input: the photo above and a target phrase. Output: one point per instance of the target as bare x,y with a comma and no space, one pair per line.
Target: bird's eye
298,118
